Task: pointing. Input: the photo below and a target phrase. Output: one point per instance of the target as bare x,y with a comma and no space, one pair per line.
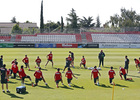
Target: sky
29,10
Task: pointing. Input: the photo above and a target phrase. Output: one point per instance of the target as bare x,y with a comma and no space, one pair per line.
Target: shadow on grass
66,87
130,80
76,74
121,85
44,69
14,96
59,68
47,86
134,76
32,70
109,67
105,86
10,82
76,86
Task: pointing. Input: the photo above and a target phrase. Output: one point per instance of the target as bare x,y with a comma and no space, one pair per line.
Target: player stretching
3,73
83,62
38,61
122,72
14,61
14,69
68,62
26,62
137,64
111,74
95,73
58,77
50,56
22,76
69,75
39,76
72,56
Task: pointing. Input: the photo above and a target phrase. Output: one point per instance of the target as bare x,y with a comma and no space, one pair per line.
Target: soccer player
111,74
101,58
50,56
83,62
122,72
39,76
26,62
22,75
3,73
58,77
95,73
137,64
72,56
126,64
14,61
38,61
1,61
69,75
68,62
8,74
14,69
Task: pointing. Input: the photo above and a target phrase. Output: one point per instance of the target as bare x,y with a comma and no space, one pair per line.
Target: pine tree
41,19
62,24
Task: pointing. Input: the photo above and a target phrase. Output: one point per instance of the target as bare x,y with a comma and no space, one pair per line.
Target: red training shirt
14,68
69,74
38,74
8,72
22,73
123,71
95,73
137,62
50,56
83,60
26,60
69,58
111,73
38,60
57,76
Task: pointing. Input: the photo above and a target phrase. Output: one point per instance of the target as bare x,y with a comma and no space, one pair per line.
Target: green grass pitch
83,88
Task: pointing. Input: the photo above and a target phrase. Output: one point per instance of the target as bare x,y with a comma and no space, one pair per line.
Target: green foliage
72,19
87,22
62,24
51,26
98,22
16,29
30,31
13,20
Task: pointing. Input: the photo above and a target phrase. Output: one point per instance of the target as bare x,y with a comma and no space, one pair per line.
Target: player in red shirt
39,76
69,75
111,74
137,62
122,72
22,75
50,56
95,73
58,77
26,62
8,74
14,69
14,61
83,62
38,61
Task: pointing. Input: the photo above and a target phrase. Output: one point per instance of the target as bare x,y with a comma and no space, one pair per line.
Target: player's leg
121,76
62,81
28,66
99,62
80,65
95,81
44,81
15,75
69,81
2,87
102,62
47,63
52,63
36,81
7,88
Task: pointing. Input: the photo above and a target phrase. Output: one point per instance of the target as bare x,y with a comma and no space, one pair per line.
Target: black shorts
57,81
67,66
25,77
72,59
26,64
69,80
126,67
124,75
50,60
37,80
3,80
83,64
110,79
95,79
138,65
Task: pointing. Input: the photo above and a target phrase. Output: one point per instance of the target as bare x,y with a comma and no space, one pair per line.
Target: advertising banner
113,45
45,45
66,45
23,45
6,45
88,45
